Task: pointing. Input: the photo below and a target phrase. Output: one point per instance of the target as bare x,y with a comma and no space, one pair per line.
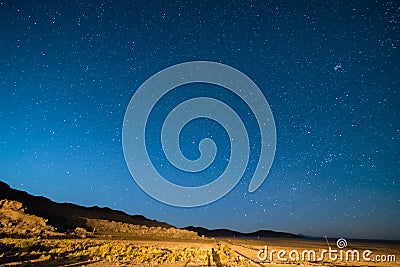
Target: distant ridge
230,233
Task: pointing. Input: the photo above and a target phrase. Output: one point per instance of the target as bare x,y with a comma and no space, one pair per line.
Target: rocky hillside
15,222
24,214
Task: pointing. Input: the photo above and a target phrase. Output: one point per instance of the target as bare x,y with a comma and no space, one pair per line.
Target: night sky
328,69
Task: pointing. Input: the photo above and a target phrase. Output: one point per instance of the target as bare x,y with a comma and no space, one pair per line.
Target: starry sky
329,70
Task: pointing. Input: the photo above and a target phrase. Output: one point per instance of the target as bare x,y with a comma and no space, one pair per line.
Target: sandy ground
247,252
210,252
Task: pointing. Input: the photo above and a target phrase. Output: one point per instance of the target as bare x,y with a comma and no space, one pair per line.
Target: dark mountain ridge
66,216
230,233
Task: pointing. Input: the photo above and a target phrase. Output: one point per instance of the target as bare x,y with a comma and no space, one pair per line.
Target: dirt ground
186,253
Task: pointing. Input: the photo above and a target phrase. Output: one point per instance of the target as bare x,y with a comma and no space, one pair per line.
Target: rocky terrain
65,217
35,231
14,222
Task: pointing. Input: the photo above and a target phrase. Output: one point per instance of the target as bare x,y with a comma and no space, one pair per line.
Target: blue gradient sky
329,70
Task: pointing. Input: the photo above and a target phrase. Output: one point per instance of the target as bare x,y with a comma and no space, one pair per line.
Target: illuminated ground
202,252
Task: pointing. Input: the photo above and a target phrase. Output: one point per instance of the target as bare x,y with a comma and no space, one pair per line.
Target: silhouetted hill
230,233
65,216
